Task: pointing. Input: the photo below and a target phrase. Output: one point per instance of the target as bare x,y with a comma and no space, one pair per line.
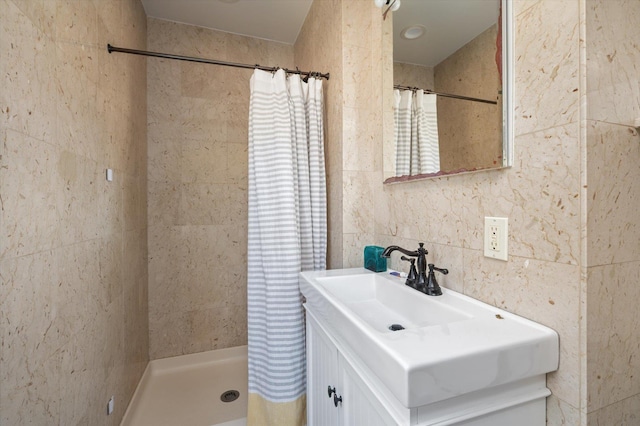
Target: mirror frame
508,88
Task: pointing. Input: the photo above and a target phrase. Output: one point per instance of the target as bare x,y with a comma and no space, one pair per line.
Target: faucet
421,254
421,282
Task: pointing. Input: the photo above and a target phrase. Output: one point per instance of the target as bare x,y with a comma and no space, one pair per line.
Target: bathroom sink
442,347
382,304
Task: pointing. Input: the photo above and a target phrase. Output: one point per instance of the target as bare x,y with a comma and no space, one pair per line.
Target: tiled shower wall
73,247
198,119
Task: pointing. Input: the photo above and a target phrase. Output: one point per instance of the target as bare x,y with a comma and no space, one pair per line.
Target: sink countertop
475,346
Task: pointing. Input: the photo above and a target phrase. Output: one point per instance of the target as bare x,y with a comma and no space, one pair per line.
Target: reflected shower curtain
416,133
287,234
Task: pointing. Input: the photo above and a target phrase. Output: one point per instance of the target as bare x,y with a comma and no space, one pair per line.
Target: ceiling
278,20
450,24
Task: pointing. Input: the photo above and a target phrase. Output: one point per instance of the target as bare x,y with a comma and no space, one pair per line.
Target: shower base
188,390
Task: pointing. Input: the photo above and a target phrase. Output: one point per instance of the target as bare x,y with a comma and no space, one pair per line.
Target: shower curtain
287,234
416,133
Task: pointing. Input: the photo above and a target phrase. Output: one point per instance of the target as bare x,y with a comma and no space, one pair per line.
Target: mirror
461,120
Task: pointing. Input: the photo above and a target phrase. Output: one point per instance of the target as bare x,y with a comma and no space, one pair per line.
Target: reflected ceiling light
413,32
229,1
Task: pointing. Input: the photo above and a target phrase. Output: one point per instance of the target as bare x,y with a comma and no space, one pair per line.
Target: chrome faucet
421,282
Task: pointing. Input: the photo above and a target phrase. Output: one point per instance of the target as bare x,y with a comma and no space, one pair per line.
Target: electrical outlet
496,237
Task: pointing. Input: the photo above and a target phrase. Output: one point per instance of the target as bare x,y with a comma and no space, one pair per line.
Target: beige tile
544,219
359,139
612,177
560,413
248,50
203,204
612,83
30,178
357,22
358,89
238,164
109,17
164,88
203,162
624,412
186,40
27,65
357,192
532,289
413,75
546,45
42,14
203,119
205,81
76,21
31,339
612,321
75,76
164,152
163,203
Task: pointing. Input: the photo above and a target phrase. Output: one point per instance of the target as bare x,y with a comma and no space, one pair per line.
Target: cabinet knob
336,399
331,390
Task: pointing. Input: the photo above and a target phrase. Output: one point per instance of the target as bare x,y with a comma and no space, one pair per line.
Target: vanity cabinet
343,391
336,392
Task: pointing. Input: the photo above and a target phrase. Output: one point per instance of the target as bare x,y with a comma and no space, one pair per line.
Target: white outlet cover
496,237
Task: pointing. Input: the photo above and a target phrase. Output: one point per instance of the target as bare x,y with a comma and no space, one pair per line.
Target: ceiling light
413,32
229,1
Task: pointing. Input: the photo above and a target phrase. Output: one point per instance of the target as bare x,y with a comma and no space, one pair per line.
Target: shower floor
186,391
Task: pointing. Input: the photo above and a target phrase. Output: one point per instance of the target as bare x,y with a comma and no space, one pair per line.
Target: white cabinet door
360,407
322,375
336,394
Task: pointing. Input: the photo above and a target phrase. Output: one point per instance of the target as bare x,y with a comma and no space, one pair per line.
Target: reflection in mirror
449,113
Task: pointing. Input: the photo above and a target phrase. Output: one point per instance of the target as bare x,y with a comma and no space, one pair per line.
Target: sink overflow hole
230,395
396,327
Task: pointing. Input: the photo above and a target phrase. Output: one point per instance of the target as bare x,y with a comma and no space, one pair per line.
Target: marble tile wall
197,177
413,75
73,247
470,132
318,47
365,56
612,256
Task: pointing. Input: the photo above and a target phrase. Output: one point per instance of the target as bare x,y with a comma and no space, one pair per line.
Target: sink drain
229,396
396,327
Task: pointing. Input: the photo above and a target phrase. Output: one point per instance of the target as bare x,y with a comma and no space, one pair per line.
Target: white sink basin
450,345
381,303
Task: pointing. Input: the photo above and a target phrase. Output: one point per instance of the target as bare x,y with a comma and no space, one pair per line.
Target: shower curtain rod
446,95
111,48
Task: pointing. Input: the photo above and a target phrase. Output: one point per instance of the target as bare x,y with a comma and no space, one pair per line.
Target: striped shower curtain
416,133
287,234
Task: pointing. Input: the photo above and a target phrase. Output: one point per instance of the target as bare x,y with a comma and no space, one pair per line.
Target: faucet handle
432,288
441,270
412,277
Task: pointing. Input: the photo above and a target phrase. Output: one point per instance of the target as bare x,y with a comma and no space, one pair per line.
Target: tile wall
318,48
73,247
470,132
612,253
197,123
540,194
